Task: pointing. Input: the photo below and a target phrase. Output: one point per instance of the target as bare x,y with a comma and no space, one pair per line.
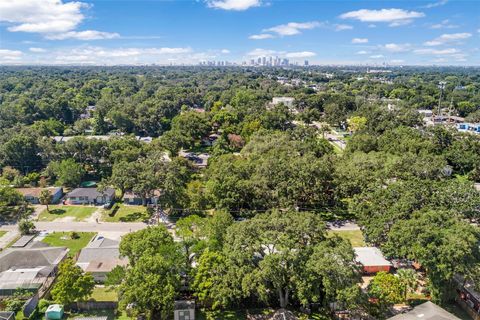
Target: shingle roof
91,192
35,192
101,254
31,258
426,311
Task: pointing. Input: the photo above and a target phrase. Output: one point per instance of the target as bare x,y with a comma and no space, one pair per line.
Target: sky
117,32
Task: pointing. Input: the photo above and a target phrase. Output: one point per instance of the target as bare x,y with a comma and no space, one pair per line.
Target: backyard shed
54,312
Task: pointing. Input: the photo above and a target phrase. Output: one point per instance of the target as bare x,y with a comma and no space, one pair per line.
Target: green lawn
355,237
110,314
126,213
2,233
104,294
63,239
79,213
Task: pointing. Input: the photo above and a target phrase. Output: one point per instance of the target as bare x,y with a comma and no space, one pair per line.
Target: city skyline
58,32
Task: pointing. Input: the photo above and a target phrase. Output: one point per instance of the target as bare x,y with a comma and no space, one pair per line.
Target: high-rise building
306,63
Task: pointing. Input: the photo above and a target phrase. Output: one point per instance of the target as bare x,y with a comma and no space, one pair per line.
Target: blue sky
111,32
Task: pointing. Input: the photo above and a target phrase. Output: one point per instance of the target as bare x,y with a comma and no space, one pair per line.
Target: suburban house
32,269
426,311
32,195
372,260
287,101
90,196
199,160
132,198
100,256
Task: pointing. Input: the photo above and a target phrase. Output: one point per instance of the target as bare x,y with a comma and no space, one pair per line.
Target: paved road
123,227
336,140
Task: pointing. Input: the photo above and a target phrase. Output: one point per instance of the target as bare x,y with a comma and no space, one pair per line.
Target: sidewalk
8,237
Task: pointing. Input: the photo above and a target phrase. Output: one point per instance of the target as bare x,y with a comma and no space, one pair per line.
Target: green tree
152,284
208,280
16,301
10,197
66,172
115,276
409,280
146,242
271,255
45,197
443,244
26,226
72,284
356,123
387,288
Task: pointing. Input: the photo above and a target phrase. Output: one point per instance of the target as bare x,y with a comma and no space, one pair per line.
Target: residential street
123,227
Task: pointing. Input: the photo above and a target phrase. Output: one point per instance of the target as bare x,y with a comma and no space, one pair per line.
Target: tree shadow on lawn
57,211
134,216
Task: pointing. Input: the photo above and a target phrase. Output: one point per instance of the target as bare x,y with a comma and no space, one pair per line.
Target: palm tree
45,197
409,279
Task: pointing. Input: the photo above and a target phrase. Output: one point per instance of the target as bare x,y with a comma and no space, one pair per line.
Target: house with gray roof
29,268
90,196
100,256
426,311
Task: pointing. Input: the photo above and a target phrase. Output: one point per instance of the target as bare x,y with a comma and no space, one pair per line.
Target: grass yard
2,233
63,239
126,213
78,213
110,314
354,236
104,294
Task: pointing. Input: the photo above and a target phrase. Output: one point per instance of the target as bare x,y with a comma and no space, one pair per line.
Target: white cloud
448,38
397,47
52,18
341,27
292,28
225,51
83,35
397,61
440,52
37,50
302,54
444,24
362,52
236,5
10,55
435,4
395,17
258,52
261,36
359,40
43,16
377,56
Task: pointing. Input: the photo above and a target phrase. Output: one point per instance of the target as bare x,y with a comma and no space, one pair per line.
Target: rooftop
426,311
91,192
35,192
370,257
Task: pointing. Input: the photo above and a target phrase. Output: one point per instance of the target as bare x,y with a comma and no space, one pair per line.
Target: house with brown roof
32,195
